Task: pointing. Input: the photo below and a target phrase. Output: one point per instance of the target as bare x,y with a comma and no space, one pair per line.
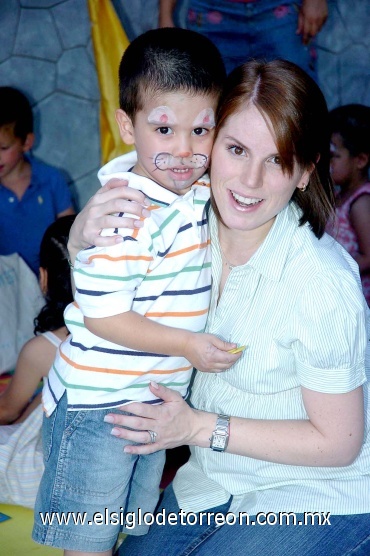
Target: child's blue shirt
23,223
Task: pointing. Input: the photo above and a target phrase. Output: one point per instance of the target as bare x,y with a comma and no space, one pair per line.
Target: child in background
140,301
350,162
32,193
21,460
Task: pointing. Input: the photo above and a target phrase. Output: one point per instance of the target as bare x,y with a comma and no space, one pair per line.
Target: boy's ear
125,126
29,141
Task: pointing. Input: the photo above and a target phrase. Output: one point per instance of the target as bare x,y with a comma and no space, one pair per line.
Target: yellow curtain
110,41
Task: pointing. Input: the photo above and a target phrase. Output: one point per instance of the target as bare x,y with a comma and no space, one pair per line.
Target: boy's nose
184,154
183,148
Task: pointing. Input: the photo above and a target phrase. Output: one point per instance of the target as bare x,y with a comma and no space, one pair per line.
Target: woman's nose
251,175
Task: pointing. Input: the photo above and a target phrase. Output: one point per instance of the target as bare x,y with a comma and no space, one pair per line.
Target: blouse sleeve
331,325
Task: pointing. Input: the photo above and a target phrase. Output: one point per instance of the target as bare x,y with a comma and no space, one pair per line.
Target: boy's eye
200,131
164,130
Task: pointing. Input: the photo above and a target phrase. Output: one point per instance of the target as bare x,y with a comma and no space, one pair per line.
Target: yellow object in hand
237,350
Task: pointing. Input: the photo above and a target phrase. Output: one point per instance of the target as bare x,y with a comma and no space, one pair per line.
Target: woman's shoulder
313,257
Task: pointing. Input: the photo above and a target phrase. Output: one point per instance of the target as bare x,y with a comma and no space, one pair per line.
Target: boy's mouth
180,170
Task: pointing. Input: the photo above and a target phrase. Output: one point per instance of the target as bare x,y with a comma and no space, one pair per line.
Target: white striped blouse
298,306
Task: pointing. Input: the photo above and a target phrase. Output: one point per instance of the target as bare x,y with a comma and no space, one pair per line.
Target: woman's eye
200,131
235,149
164,130
276,160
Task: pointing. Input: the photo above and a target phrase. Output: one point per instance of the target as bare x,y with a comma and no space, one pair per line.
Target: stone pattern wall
46,51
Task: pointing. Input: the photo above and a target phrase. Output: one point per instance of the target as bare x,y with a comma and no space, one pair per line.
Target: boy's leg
83,491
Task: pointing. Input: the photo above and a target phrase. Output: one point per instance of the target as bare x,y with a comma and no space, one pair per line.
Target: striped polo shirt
162,271
297,304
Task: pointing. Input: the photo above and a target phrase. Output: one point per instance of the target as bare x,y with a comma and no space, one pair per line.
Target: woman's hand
174,422
114,197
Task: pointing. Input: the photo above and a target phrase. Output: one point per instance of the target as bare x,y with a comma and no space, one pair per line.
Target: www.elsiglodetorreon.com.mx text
132,519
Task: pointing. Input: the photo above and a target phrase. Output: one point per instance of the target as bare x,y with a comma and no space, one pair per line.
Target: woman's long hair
54,259
292,102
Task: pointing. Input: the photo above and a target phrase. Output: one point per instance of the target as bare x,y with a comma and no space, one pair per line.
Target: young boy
32,194
140,304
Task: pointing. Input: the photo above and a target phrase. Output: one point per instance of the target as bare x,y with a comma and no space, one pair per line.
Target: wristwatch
220,436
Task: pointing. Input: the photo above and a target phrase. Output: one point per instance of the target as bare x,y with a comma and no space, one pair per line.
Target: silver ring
153,436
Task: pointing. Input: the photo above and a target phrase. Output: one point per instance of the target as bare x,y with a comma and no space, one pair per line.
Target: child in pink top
350,161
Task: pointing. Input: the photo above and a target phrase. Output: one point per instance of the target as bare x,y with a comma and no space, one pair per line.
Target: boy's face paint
174,139
205,117
162,115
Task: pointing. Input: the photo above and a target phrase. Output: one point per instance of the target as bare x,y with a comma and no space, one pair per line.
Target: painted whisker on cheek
165,161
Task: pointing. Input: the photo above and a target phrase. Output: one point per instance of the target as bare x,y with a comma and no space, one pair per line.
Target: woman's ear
305,178
125,126
43,280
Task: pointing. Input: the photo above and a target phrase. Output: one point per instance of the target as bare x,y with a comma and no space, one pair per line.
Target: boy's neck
19,178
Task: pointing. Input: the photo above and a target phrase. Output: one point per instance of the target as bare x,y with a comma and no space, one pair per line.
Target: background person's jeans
260,29
347,535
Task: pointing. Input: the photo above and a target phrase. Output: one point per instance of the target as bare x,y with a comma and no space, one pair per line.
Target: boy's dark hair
352,123
165,61
15,109
54,258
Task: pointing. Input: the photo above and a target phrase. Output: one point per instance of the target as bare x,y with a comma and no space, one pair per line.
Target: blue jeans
346,535
86,470
260,29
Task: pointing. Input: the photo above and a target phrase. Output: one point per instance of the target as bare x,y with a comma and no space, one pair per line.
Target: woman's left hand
171,422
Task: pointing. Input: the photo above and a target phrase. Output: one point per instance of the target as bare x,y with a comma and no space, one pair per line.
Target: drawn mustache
164,161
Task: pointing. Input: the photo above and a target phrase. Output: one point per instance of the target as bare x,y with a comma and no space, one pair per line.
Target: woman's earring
303,189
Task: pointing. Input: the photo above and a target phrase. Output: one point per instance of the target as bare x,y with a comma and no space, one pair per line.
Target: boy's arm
205,352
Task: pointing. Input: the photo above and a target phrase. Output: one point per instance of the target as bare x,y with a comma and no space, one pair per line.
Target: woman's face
248,184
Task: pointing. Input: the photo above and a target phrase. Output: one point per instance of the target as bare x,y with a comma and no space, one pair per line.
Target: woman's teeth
247,201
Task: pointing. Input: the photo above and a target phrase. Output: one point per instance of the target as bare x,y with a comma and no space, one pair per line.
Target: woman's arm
98,213
331,436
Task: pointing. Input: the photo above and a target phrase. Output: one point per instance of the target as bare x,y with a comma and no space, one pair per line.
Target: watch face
218,441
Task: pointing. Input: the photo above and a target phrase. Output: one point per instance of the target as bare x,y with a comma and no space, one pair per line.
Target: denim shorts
90,484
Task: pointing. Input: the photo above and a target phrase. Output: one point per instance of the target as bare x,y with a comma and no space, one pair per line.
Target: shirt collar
119,167
270,258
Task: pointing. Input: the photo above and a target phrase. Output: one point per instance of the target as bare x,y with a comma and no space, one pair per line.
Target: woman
283,429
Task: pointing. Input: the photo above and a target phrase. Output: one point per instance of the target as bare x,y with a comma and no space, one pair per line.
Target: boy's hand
209,354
